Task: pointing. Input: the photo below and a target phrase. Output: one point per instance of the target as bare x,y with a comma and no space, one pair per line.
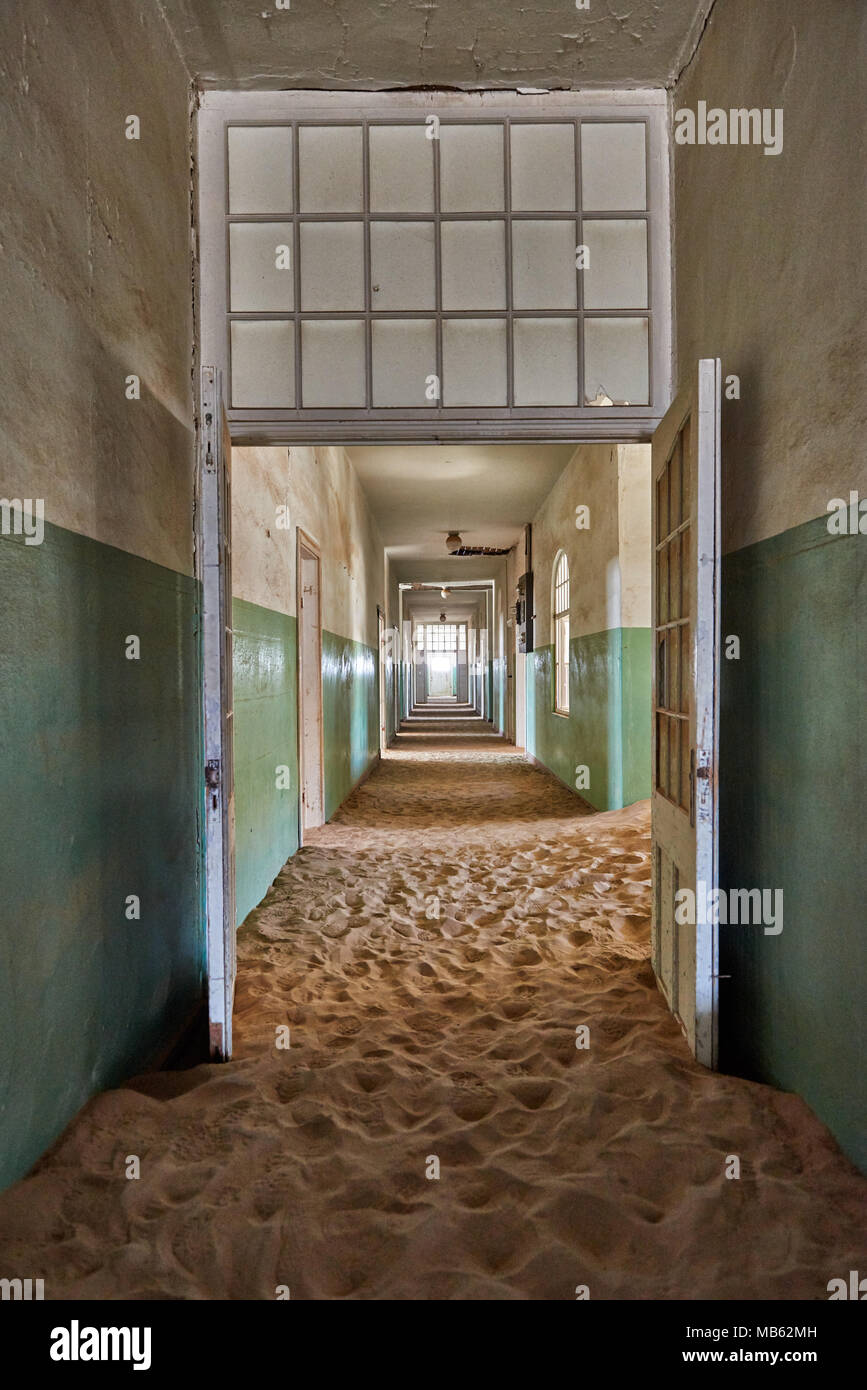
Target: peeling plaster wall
102,778
771,276
355,44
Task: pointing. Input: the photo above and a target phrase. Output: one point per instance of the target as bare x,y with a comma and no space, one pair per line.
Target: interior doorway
309,684
383,704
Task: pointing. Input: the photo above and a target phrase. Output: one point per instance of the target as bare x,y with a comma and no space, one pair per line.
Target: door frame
214,572
701,400
383,703
304,541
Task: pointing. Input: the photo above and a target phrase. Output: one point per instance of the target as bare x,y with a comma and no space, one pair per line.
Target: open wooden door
215,572
686,618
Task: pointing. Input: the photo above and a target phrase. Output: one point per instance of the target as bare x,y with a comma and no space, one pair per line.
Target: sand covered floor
414,1036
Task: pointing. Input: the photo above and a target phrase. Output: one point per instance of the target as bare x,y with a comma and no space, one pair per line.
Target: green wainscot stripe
793,792
608,725
265,672
636,674
101,801
350,715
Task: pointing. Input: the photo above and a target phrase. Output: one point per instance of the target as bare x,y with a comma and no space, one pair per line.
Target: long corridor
432,1131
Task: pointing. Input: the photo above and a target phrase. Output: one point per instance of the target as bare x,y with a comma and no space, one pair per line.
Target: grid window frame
673,625
560,626
623,421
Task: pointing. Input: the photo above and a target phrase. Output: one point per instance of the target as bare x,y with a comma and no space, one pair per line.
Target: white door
383,737
686,617
463,686
215,573
310,683
420,686
520,700
441,676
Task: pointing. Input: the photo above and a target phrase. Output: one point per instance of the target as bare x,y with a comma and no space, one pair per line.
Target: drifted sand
413,1036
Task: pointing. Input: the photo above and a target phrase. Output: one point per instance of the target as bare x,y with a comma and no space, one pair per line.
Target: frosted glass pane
615,276
260,168
332,362
615,362
471,168
474,265
331,168
332,265
263,363
543,265
402,265
613,167
474,362
546,361
543,167
404,356
255,282
401,169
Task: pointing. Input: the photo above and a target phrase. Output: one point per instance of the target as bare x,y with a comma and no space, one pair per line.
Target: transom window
453,259
561,634
441,637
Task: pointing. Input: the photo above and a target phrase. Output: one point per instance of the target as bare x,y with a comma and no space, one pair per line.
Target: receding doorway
383,728
309,684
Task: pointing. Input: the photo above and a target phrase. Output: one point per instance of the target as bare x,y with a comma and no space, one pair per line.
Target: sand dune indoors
432,951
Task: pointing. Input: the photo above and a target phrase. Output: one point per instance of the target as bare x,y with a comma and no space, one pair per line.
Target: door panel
420,678
686,531
463,681
310,684
215,571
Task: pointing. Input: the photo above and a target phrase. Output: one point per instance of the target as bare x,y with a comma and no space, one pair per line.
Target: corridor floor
433,951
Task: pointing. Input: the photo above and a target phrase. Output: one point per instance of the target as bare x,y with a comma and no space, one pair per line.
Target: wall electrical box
524,612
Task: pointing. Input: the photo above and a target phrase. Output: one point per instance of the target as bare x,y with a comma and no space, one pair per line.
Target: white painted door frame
685,821
214,557
383,708
311,808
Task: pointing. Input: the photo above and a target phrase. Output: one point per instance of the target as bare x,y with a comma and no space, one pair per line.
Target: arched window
560,625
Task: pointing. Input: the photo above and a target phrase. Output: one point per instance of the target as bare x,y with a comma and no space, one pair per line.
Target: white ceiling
418,493
369,44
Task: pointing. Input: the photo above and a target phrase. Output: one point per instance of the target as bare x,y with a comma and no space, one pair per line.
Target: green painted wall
792,816
608,725
100,798
265,670
636,675
350,715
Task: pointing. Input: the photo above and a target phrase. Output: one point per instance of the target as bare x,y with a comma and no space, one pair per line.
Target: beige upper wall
95,232
770,269
325,499
589,479
634,473
609,563
445,43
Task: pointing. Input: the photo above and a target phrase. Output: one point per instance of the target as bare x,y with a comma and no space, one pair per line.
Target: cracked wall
352,44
